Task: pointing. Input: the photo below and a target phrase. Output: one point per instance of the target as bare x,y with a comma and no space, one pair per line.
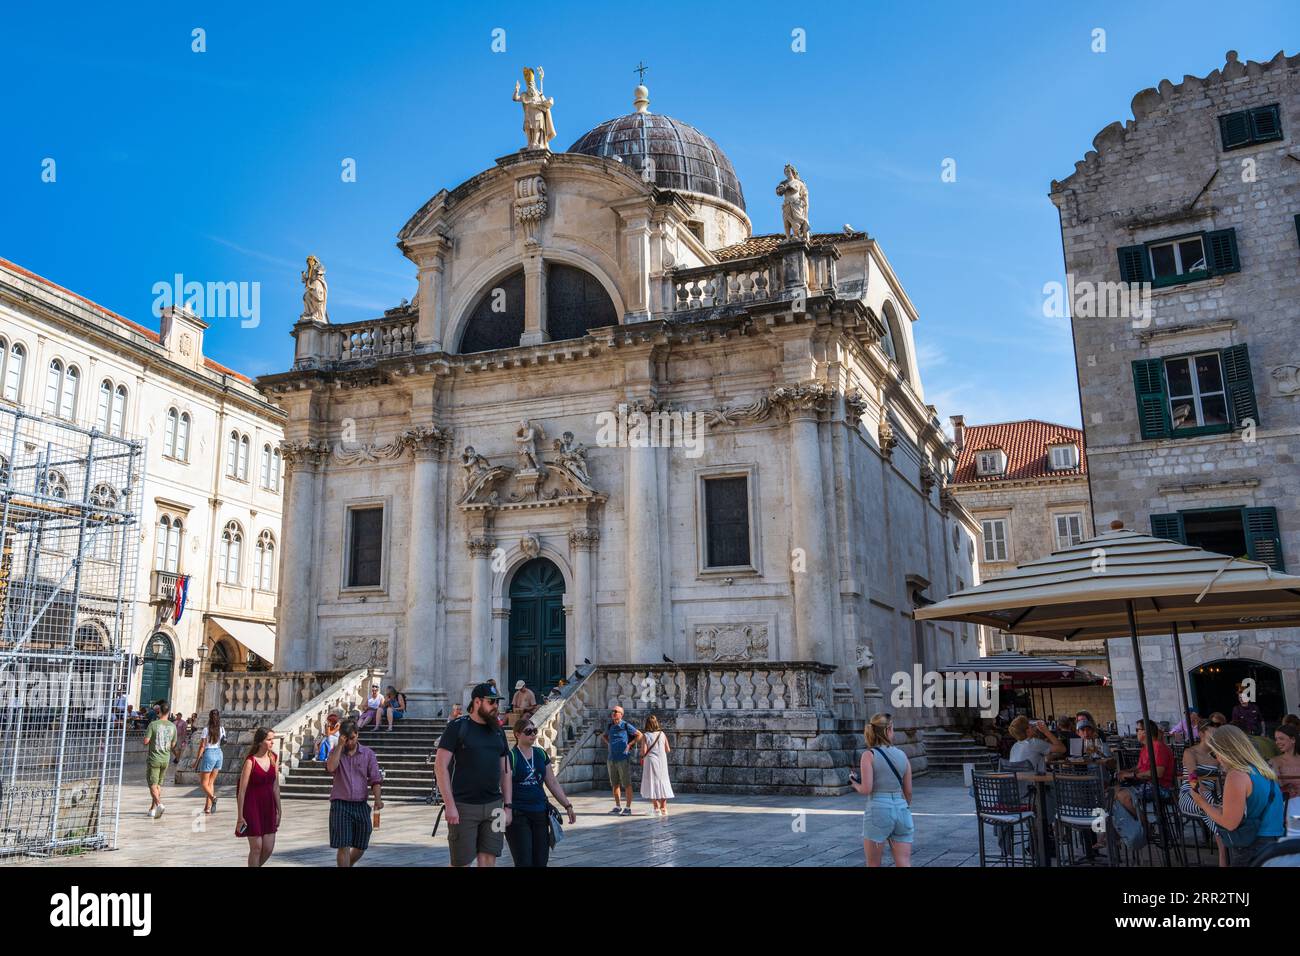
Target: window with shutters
232,553
12,358
1179,259
1237,532
996,546
991,462
1063,457
1203,393
727,541
365,556
1261,124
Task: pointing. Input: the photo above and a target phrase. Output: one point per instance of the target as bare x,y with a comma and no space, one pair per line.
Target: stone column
416,660
535,332
480,612
809,518
644,582
583,542
296,615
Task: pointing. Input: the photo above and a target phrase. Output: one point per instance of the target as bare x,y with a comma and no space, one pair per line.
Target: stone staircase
403,756
947,751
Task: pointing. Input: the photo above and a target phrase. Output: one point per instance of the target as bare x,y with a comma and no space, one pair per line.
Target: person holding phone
1034,743
355,770
258,798
884,777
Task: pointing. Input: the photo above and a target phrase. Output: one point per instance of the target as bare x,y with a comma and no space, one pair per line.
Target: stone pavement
700,830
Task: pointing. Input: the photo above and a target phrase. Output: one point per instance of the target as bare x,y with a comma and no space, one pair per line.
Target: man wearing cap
524,702
621,736
474,780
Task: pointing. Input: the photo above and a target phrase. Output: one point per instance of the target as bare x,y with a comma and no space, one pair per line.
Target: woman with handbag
655,785
1251,816
885,778
529,834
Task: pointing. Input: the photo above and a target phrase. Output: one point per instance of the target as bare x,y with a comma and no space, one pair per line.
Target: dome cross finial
641,96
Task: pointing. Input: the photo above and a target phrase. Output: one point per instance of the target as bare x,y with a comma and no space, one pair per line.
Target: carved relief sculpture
531,206
572,462
480,475
297,453
315,292
1286,379
538,128
731,642
527,436
855,406
888,440
530,545
794,210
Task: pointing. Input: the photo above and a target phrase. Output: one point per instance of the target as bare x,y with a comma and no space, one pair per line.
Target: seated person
1083,715
1128,796
1287,762
1065,729
374,703
1034,742
1093,744
1180,729
393,706
329,738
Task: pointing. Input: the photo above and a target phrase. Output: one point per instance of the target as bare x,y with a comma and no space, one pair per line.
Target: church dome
683,157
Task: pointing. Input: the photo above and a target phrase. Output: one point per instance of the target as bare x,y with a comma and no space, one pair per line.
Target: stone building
616,426
1190,386
211,505
1026,484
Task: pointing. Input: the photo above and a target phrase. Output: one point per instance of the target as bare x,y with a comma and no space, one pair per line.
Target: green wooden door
156,671
537,640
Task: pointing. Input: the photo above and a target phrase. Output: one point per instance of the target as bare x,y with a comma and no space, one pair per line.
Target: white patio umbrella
1122,582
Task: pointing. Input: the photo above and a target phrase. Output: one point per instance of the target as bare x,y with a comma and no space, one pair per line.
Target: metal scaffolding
69,516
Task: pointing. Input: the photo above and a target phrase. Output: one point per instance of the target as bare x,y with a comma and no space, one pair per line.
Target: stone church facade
615,426
1192,410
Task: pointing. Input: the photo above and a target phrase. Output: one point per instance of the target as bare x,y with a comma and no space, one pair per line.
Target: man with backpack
474,780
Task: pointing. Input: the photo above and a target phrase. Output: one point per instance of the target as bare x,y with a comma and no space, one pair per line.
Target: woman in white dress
655,785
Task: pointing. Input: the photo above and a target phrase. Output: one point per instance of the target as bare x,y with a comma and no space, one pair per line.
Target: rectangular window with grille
365,547
726,522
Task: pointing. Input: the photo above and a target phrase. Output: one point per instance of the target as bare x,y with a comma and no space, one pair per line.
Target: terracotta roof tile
150,334
761,245
1025,444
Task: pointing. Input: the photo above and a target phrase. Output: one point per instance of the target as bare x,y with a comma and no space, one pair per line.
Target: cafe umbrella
1127,583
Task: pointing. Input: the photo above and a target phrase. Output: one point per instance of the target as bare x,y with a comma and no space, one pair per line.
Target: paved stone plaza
701,830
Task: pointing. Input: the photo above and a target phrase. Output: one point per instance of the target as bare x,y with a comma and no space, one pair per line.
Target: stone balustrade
321,345
754,686
773,277
251,693
306,724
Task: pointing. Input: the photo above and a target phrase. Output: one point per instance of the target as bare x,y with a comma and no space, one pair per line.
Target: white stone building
459,484
213,473
1192,412
1026,483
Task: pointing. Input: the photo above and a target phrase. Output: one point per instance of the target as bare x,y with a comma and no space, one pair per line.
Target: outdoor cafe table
1045,780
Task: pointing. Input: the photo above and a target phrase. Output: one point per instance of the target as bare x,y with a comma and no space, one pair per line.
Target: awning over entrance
258,638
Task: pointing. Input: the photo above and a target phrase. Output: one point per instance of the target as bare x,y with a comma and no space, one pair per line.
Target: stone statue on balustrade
572,461
315,292
527,435
538,128
794,211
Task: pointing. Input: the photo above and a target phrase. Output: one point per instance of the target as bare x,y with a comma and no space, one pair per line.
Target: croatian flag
182,590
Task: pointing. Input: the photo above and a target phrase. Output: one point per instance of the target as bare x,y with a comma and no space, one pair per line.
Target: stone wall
1161,174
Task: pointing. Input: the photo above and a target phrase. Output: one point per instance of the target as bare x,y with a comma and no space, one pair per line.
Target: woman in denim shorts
885,778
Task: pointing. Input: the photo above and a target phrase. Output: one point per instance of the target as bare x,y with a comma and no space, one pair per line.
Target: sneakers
161,808
617,810
627,811
153,812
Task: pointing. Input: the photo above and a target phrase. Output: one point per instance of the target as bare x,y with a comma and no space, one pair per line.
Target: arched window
183,437
14,357
4,470
68,400
264,561
105,405
118,422
54,484
53,386
243,458
893,343
91,636
232,455
277,463
232,543
167,549
266,466
576,303
497,321
169,433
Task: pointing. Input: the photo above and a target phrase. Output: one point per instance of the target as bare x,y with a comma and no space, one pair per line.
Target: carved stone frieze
421,440
814,397
359,650
298,454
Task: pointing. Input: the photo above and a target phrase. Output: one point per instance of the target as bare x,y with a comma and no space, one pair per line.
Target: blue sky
225,165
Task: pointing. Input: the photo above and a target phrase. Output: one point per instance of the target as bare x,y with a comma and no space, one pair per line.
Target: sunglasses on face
530,732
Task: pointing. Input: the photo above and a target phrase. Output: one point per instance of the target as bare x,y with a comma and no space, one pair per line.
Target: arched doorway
156,674
537,640
1214,687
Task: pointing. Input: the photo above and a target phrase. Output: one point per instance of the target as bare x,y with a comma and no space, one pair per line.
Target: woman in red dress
258,801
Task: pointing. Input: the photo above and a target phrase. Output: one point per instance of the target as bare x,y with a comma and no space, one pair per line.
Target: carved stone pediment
559,480
731,642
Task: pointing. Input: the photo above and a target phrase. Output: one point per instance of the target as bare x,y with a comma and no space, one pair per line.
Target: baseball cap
1083,722
484,690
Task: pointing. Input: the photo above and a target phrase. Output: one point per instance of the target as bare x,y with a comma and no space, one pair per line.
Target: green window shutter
1134,266
1265,124
1168,526
1297,228
1221,250
1153,408
1263,540
1235,129
1240,383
